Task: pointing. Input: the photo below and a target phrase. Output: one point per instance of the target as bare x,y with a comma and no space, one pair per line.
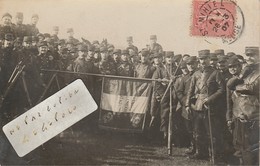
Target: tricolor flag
124,104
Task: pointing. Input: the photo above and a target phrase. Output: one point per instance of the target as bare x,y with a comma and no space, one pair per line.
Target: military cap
42,43
129,38
95,42
61,42
213,56
233,61
204,53
144,52
49,40
91,48
9,37
19,15
191,60
7,15
219,52
125,52
27,39
97,49
117,51
251,51
63,50
19,39
70,30
55,28
183,65
177,57
35,16
230,54
153,37
222,59
73,49
186,55
240,58
35,38
169,54
103,49
110,49
157,55
47,35
82,47
110,46
40,34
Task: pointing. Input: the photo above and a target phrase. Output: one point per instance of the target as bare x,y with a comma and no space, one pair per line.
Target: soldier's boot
201,152
192,149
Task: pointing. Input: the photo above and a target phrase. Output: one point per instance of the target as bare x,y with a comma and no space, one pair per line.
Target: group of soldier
216,95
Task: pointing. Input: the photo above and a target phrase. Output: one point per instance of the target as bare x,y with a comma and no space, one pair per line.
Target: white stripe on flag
127,104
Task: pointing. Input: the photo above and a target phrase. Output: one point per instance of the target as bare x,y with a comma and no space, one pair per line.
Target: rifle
211,152
169,145
12,80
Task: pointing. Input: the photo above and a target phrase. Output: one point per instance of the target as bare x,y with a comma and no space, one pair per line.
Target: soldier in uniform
154,47
71,38
19,28
55,32
235,67
213,60
223,138
246,88
105,66
125,68
181,92
116,59
130,46
134,58
205,93
159,89
219,52
7,26
41,37
31,28
144,69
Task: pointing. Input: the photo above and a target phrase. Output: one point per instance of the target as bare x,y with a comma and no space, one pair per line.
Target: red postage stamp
214,18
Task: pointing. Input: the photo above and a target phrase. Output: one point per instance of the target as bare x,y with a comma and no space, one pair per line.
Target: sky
170,20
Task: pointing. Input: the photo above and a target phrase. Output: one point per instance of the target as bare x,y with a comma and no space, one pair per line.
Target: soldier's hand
158,98
230,125
152,122
188,110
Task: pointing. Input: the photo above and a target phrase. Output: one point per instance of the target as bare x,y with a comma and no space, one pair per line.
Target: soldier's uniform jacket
6,29
9,60
182,92
232,98
55,38
144,70
217,83
132,47
32,30
106,68
160,73
248,94
155,48
46,61
20,30
125,69
72,40
203,86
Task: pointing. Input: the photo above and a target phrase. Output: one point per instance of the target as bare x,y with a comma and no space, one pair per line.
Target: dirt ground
85,144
